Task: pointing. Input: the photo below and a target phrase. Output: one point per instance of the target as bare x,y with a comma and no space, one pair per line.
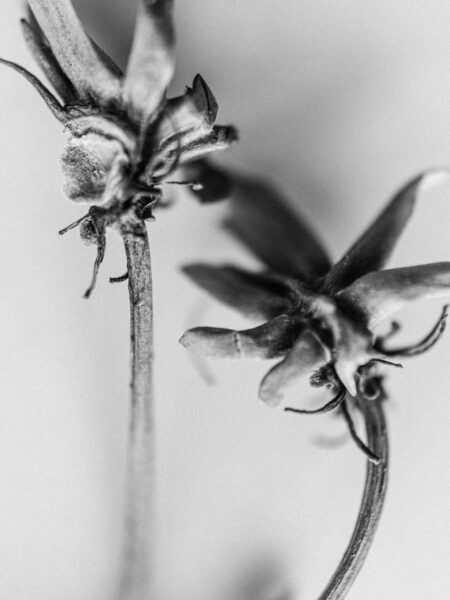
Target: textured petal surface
74,51
86,164
379,295
371,251
255,295
306,355
261,218
151,64
270,340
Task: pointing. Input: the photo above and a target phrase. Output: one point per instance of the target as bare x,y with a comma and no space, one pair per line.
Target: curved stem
136,576
371,504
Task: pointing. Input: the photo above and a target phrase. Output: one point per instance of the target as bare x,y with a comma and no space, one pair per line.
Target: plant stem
136,569
371,504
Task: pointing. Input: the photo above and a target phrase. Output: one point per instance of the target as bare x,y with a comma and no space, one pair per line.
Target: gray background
338,103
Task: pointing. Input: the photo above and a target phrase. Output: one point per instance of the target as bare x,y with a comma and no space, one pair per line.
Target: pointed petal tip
204,99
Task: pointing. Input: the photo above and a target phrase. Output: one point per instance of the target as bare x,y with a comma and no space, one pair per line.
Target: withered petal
255,295
371,251
91,77
270,340
379,295
276,233
43,54
151,63
306,355
50,100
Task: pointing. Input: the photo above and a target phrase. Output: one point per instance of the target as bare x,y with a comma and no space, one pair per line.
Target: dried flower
318,318
125,136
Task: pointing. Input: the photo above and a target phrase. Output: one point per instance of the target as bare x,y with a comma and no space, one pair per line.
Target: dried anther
124,135
319,319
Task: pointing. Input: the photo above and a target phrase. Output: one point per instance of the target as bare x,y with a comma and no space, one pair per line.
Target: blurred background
338,103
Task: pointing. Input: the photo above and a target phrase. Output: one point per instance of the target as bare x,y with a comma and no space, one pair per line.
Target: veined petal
277,234
306,355
45,58
270,340
255,295
74,51
371,251
151,64
379,295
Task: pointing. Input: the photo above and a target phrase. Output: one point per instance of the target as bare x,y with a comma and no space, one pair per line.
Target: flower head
124,134
319,318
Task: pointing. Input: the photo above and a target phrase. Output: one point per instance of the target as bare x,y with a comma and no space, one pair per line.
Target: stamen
72,225
119,279
358,441
383,361
101,246
428,341
329,406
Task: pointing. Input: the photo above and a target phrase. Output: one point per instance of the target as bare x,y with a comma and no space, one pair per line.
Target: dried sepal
43,54
50,100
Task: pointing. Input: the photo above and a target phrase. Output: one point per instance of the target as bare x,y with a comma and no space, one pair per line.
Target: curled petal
91,77
371,251
151,64
379,295
306,355
269,340
254,295
277,234
49,99
43,54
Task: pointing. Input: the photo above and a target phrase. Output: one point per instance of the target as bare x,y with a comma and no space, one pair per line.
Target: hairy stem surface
136,575
371,504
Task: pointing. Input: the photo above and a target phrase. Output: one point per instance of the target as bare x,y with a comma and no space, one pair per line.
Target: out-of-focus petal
270,340
210,183
306,355
254,295
371,251
151,64
277,234
45,58
91,77
379,295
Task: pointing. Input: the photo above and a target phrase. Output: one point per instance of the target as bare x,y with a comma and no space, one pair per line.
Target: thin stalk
371,504
136,569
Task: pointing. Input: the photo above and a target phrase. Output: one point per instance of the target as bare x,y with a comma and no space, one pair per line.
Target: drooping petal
270,340
371,251
379,295
254,295
151,64
91,77
277,234
45,58
306,355
49,99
